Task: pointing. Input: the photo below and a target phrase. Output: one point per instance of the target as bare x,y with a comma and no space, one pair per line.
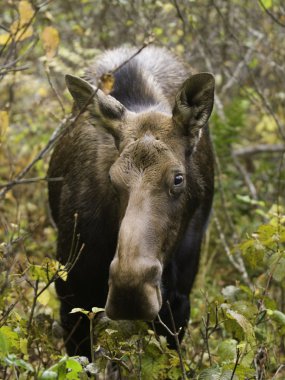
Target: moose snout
134,290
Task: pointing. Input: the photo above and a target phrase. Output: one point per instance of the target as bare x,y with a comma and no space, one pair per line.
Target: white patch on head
161,70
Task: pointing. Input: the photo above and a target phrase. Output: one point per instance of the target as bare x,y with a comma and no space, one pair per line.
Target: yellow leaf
18,28
4,124
44,297
24,346
4,38
50,40
26,12
21,32
267,129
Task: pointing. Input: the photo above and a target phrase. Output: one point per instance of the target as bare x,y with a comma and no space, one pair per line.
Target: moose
137,185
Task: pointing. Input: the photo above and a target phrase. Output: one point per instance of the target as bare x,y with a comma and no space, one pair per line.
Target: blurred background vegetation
237,324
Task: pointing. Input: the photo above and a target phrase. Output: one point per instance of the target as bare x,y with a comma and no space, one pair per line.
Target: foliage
237,327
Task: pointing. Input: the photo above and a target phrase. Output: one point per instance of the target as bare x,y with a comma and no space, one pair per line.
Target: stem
33,305
236,364
175,335
91,339
206,324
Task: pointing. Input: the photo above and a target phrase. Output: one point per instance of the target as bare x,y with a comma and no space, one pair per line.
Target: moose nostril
153,274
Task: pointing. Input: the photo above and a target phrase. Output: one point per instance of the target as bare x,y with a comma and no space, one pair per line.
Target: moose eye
178,179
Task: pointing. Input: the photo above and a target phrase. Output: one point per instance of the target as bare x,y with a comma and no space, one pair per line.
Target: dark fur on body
147,86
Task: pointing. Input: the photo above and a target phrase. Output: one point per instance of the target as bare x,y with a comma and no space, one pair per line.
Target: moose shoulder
137,172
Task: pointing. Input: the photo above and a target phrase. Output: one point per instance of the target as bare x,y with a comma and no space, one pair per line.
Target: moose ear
80,90
194,102
104,106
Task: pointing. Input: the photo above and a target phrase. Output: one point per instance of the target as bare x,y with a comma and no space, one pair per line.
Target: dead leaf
50,40
107,83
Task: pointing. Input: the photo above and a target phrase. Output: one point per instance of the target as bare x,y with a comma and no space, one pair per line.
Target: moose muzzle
134,289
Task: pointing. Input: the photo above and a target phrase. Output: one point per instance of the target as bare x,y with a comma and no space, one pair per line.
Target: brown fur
122,165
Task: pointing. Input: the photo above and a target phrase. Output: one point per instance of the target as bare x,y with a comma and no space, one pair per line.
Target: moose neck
138,91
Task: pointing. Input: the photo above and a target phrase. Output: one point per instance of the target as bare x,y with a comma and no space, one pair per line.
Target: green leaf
267,3
73,368
79,310
8,340
242,372
216,373
246,308
96,310
48,375
227,350
277,316
4,344
111,331
279,269
12,360
242,321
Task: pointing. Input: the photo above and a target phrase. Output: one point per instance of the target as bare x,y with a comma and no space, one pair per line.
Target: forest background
237,324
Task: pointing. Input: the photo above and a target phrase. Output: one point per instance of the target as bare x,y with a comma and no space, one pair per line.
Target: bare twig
259,149
36,286
145,44
236,260
274,18
7,312
206,337
246,176
14,69
74,328
267,104
180,15
54,89
26,181
66,124
242,64
280,368
236,363
218,102
175,335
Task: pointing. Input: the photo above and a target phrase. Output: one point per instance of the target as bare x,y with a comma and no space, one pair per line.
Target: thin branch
54,90
236,364
27,52
26,181
33,305
206,337
218,102
267,104
175,334
180,16
66,124
236,260
274,18
145,44
242,64
14,69
258,149
246,177
278,370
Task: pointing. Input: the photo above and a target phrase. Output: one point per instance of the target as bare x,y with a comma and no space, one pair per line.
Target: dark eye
178,179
